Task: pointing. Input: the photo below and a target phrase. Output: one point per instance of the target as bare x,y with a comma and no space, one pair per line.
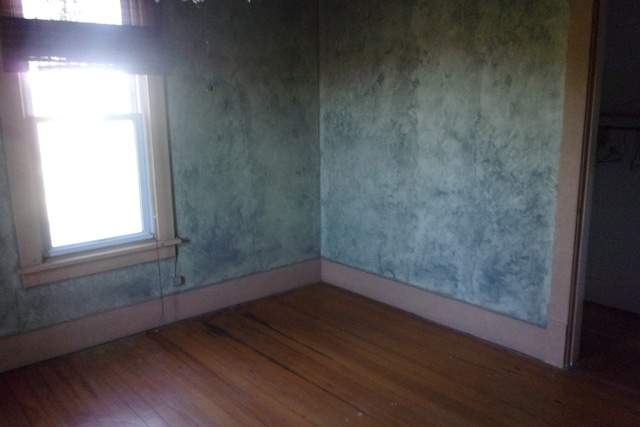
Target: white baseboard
31,347
514,334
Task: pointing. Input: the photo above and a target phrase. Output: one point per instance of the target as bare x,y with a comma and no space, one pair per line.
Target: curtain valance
133,48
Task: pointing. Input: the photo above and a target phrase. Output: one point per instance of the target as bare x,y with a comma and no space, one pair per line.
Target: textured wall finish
245,163
439,131
440,136
246,154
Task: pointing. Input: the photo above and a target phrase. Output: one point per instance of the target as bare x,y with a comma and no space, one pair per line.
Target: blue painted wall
245,162
440,137
246,154
439,127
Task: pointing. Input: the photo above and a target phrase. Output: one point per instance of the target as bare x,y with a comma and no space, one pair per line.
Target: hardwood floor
316,356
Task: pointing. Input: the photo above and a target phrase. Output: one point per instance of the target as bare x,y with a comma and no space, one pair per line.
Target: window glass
94,11
88,154
91,180
93,158
80,91
89,131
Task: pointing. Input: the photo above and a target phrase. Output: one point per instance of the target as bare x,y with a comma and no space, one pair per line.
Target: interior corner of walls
42,344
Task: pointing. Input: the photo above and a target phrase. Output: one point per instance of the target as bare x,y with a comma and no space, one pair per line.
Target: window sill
71,266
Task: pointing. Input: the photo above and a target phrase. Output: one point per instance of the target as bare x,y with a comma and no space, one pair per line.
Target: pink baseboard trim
546,344
537,342
31,347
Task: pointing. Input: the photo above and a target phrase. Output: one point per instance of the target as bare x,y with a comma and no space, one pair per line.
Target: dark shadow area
610,348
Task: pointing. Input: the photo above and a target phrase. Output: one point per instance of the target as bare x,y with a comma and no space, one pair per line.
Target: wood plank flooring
317,356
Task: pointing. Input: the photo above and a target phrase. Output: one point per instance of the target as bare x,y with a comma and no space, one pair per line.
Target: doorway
610,342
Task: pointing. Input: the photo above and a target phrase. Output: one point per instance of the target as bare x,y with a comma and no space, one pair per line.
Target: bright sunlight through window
91,152
95,11
86,141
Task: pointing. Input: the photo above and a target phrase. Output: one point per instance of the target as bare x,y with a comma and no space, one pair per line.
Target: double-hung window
86,142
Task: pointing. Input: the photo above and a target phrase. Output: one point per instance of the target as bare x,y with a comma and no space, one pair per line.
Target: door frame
580,122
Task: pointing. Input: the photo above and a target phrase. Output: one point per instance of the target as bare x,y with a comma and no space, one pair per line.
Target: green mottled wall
246,154
245,161
429,150
440,139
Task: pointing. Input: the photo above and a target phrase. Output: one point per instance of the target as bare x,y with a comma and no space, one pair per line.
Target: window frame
27,195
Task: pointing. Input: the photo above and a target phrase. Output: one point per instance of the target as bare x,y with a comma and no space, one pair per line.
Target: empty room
304,212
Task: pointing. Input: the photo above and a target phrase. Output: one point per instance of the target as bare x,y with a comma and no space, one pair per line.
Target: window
86,143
